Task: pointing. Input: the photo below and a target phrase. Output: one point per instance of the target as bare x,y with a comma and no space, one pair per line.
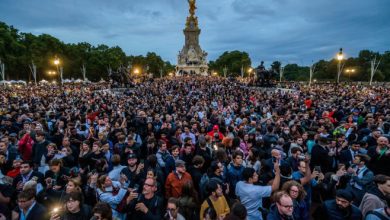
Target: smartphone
136,187
317,168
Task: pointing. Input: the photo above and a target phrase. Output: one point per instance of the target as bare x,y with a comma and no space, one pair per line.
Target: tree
233,61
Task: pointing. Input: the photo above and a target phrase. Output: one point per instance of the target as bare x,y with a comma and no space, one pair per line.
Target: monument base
191,70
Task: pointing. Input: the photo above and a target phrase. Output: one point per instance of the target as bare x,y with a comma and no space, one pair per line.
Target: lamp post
340,57
59,68
349,71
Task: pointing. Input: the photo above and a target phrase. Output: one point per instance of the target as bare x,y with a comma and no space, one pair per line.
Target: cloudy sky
291,31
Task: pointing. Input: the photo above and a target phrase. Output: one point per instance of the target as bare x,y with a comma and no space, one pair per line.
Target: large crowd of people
194,148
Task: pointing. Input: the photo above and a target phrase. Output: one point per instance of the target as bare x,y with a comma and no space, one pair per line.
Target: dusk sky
291,31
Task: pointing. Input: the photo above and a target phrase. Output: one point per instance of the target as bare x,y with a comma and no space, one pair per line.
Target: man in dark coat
39,148
320,156
28,208
26,173
339,208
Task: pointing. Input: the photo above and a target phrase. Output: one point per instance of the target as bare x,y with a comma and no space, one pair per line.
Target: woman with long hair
296,191
188,202
112,193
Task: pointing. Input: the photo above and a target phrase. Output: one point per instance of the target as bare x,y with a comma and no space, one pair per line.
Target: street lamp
349,71
340,57
51,73
59,68
250,69
136,71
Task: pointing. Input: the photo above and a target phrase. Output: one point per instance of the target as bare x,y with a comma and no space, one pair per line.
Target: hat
13,135
345,194
215,127
131,156
27,121
180,163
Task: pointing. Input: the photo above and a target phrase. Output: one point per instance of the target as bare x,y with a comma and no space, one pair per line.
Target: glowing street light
215,74
57,62
51,73
340,57
349,71
250,69
136,71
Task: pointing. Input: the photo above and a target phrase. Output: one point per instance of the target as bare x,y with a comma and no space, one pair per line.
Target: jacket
38,150
25,146
373,199
37,212
330,211
233,175
173,184
275,215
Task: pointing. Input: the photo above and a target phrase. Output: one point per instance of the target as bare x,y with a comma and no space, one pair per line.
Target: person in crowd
74,208
112,193
380,157
173,210
133,171
215,201
234,172
361,176
189,202
28,208
57,175
377,196
283,207
102,211
298,195
339,208
378,214
238,212
320,155
26,173
251,195
147,205
39,149
176,179
347,156
117,168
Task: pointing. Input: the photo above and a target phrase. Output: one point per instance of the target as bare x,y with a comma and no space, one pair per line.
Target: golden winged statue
192,6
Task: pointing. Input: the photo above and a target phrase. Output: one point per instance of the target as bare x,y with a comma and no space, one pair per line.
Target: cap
13,135
215,127
345,194
131,156
180,163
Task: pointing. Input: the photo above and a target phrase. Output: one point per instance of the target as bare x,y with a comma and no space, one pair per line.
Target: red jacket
13,173
173,184
211,134
25,147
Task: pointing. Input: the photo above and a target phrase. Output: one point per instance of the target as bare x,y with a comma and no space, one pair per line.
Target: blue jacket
275,215
233,175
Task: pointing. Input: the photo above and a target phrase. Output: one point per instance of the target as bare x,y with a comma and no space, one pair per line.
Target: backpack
211,206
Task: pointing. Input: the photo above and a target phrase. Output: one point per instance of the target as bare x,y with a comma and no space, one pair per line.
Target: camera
301,157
